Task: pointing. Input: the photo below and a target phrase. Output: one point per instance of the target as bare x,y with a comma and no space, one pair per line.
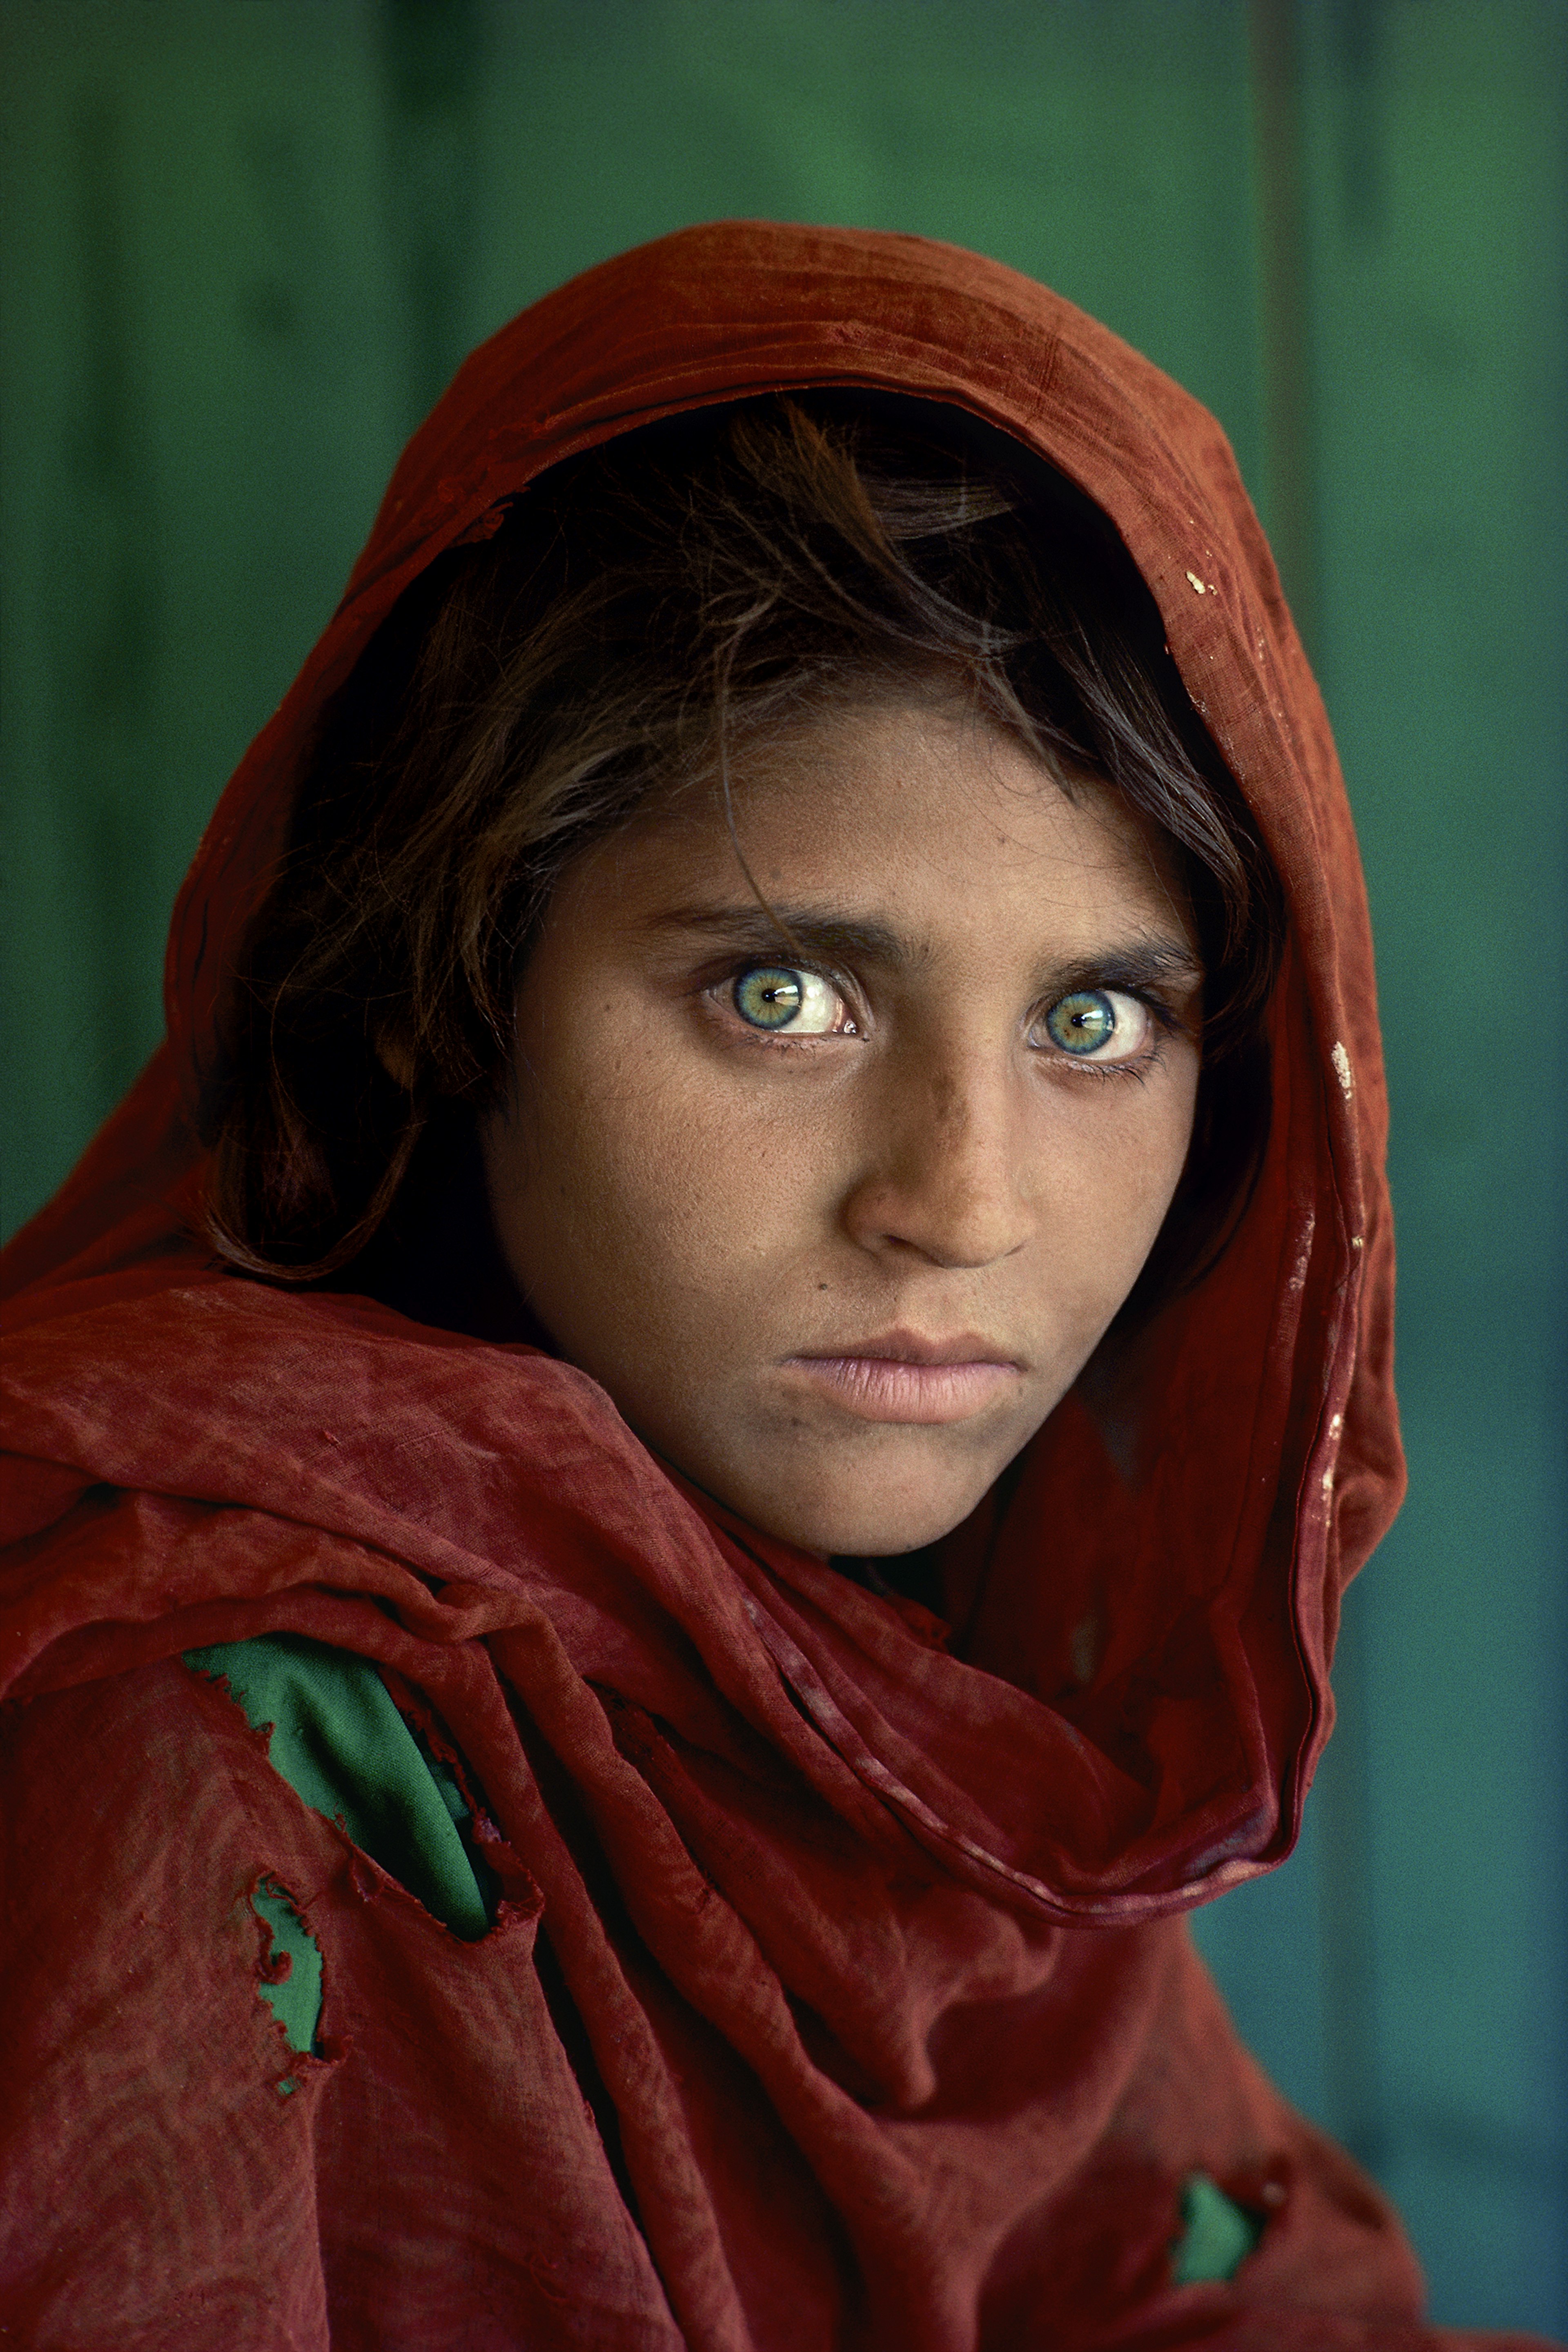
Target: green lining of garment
1217,2237
344,1749
295,1996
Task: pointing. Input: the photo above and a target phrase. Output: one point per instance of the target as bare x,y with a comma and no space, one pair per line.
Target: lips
903,1377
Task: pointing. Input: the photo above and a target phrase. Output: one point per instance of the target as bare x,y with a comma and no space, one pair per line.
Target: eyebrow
1143,961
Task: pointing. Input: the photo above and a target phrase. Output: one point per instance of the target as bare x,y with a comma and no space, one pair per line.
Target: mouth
903,1377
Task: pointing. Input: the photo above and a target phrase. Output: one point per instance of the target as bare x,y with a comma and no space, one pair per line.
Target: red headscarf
873,1948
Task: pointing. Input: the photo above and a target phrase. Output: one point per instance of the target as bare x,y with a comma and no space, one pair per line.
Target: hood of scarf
1126,1719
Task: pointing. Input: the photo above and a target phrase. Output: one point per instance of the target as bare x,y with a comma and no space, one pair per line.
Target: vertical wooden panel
1438,141
202,406
433,56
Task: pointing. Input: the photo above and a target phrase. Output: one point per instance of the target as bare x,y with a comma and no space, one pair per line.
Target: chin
866,1526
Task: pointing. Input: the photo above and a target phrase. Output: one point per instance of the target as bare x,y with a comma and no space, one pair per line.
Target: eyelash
719,993
1166,1023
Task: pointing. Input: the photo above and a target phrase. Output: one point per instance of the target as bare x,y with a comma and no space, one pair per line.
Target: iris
769,996
1082,1022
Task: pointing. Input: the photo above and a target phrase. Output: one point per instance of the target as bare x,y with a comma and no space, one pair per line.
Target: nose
945,1173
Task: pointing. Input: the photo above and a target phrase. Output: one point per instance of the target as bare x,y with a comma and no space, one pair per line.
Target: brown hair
643,615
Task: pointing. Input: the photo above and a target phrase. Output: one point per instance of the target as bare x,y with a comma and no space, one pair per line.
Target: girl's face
836,1223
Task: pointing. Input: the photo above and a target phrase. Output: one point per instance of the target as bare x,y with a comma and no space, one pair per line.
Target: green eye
770,997
1100,1023
1082,1022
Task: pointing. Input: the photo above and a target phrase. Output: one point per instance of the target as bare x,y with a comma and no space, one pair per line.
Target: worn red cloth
841,1996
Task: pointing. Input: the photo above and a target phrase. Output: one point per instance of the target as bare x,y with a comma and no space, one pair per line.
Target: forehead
919,815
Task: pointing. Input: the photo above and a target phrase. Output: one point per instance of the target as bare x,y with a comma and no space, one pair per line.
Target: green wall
248,240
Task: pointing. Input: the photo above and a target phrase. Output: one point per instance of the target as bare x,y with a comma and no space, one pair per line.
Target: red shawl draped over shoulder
871,1955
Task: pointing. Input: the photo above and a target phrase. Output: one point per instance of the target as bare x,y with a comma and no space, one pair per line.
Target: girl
684,1468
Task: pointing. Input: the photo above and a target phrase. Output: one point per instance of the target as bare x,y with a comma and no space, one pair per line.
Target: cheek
1167,1146
593,1144
1153,1171
624,1199
1125,1165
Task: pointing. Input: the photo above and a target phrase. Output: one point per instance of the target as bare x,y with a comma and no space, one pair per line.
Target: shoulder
137,1812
